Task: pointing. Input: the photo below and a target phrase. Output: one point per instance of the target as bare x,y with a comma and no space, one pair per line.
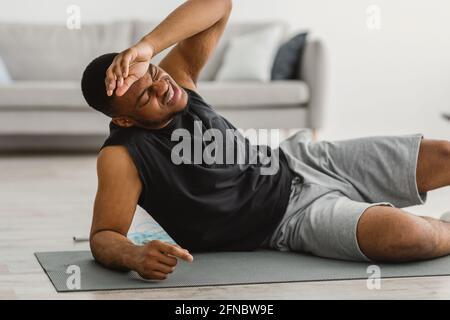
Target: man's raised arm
118,191
195,26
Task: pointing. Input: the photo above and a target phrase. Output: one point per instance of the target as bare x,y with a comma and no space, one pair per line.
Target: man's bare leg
391,234
433,165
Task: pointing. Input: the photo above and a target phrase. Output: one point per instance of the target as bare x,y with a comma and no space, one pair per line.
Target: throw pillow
250,56
287,64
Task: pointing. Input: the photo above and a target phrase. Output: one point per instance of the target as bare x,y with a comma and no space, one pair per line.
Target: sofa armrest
314,72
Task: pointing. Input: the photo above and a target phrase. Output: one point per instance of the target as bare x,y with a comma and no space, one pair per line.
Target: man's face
151,102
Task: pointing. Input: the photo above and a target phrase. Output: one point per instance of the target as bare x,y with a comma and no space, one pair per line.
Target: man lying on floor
332,199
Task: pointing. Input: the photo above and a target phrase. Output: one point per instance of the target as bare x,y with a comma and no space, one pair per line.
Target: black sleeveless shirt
205,206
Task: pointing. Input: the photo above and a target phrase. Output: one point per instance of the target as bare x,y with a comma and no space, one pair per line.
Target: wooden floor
45,200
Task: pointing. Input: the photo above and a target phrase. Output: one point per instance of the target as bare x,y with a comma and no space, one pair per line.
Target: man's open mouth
172,94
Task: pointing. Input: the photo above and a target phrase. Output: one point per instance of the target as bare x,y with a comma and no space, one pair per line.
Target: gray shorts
335,182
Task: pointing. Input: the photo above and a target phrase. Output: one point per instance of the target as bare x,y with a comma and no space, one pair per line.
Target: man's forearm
113,250
188,19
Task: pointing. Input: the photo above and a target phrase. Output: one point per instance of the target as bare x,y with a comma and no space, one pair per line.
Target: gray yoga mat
224,268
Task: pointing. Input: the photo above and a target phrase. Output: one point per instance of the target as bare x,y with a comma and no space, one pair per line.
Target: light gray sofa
43,109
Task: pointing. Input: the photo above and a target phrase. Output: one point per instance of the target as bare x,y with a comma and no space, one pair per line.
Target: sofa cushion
43,94
67,94
254,94
54,52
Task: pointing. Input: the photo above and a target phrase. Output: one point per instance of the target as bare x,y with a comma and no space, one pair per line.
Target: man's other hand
157,259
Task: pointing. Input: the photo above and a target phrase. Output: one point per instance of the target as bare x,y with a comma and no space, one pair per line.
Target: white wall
394,80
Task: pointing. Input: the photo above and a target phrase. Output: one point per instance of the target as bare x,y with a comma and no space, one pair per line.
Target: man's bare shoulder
115,161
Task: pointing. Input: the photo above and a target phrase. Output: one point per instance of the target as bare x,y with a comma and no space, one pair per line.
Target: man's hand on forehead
127,68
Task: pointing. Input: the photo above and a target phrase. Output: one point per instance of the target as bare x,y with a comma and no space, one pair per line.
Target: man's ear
123,122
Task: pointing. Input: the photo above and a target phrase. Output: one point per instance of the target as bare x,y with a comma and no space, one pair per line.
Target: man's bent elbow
94,245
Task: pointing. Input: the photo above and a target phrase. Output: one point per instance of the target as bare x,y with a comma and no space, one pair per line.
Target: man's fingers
119,82
155,275
110,81
125,64
161,267
114,77
117,71
175,251
120,91
167,260
127,82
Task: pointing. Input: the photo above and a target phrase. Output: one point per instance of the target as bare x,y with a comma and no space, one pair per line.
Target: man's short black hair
93,84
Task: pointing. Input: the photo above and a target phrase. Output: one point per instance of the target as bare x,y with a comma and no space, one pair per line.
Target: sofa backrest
54,52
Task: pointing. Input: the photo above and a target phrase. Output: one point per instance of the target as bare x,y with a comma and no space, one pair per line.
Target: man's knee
437,147
444,149
419,241
390,234
433,164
